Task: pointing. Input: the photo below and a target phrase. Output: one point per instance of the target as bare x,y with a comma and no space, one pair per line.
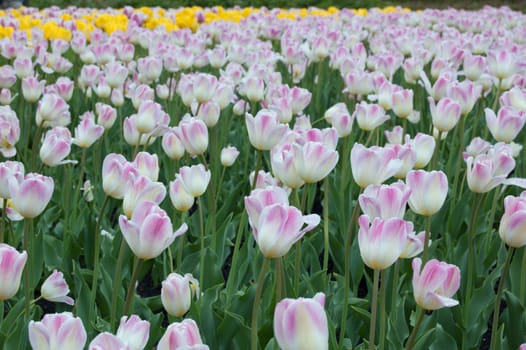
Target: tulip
31,195
9,131
182,335
176,293
424,146
301,324
115,74
149,68
435,284
502,63
147,164
133,332
209,112
106,115
265,130
279,226
149,231
402,103
505,126
385,201
9,169
253,88
107,341
515,98
263,179
172,145
32,88
181,199
58,332
52,111
428,191
87,132
11,266
382,242
55,289
466,94
150,116
139,190
262,197
340,119
512,229
228,156
414,245
283,165
369,116
117,172
374,165
314,161
445,115
195,179
204,86
407,155
194,135
486,171
140,94
56,146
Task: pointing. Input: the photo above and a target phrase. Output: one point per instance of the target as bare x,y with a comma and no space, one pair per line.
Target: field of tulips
211,178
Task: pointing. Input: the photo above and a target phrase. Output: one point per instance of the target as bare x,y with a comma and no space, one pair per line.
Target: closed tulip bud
435,284
395,137
474,66
253,88
149,116
55,289
32,88
172,145
369,116
428,191
115,74
31,195
5,97
141,189
505,126
402,103
147,164
382,242
194,135
229,155
385,201
283,165
149,68
11,266
117,97
149,231
181,199
265,130
374,165
57,331
7,77
162,91
181,336
424,146
515,98
9,169
512,228
177,292
224,94
195,179
502,63
466,94
446,114
340,119
23,67
209,112
87,132
133,332
204,86
62,87
301,324
279,226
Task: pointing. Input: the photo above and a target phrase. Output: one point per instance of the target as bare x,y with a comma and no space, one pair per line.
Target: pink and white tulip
57,331
428,191
512,229
385,201
87,132
177,292
301,324
435,285
11,267
195,179
182,335
229,155
374,165
9,131
31,195
56,289
265,130
506,125
149,231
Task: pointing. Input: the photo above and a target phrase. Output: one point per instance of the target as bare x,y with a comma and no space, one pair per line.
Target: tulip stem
412,338
394,290
383,292
492,217
181,243
326,229
436,152
477,200
117,281
347,256
496,310
427,237
522,291
257,298
202,242
279,280
28,247
259,155
96,262
235,256
459,158
4,218
131,288
374,306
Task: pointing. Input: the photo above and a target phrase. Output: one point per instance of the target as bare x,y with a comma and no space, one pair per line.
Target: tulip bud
176,293
310,329
512,229
435,284
9,169
195,179
228,156
373,165
57,331
428,191
11,266
182,335
55,289
31,195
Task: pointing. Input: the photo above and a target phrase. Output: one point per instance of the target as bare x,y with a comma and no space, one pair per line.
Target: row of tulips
242,135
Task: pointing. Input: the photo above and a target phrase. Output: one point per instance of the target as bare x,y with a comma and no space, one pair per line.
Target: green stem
459,158
374,306
492,217
202,242
412,338
436,152
28,247
257,298
117,283
477,200
136,148
181,242
496,310
347,256
394,290
297,267
96,262
522,293
279,280
426,239
235,257
383,292
131,287
326,228
35,146
259,155
4,218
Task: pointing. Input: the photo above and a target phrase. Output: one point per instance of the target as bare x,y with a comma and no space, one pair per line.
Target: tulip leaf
513,320
443,340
